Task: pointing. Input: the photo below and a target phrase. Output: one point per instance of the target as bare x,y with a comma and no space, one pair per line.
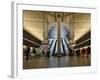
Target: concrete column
45,28
58,34
71,27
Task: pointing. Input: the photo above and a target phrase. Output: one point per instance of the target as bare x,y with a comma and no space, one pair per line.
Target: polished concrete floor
56,62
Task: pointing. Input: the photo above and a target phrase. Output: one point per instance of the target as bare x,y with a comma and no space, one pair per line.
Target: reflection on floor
56,62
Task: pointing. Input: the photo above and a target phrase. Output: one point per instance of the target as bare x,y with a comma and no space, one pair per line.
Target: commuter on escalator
27,52
78,52
88,51
71,52
82,51
48,53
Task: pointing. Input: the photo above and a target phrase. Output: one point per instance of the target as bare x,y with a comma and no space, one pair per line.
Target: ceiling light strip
31,41
83,42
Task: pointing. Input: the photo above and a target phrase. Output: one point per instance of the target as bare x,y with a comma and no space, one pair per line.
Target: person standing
27,52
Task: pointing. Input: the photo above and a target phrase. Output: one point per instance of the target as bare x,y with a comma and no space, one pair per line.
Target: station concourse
56,39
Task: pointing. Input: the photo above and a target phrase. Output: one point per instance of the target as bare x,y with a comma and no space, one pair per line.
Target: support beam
45,28
58,34
71,24
55,17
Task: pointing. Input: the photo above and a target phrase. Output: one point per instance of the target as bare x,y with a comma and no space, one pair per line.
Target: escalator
50,43
54,48
52,35
63,47
69,48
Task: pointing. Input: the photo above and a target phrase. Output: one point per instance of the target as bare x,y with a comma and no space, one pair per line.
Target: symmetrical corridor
56,39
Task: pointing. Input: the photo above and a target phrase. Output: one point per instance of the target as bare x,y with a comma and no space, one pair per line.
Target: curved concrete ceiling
34,22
